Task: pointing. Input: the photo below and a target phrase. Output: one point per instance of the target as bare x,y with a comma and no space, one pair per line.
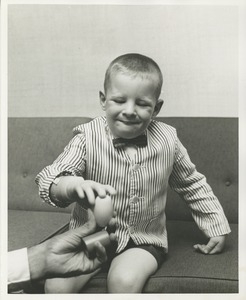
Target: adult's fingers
101,255
88,228
112,225
112,222
113,237
84,230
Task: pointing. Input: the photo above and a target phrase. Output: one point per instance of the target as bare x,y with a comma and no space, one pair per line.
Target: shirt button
136,167
134,199
131,230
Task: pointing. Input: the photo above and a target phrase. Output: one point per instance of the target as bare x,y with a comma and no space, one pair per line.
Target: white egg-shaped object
103,210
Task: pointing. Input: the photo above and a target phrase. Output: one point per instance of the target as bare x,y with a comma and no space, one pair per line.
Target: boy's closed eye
141,102
118,100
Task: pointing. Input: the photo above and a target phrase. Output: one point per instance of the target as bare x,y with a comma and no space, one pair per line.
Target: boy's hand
80,190
71,189
215,245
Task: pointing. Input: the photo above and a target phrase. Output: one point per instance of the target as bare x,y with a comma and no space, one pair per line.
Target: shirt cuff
18,266
45,186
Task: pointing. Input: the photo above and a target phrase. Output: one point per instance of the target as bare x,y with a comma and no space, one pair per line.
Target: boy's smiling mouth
128,122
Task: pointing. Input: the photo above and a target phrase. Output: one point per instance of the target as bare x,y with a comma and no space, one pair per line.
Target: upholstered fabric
27,228
212,144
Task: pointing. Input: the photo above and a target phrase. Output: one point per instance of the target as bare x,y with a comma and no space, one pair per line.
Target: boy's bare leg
67,285
130,270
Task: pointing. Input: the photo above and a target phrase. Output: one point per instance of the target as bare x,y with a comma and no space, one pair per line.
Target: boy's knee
53,286
50,287
123,283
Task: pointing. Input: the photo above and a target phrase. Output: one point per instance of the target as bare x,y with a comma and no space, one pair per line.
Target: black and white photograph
122,161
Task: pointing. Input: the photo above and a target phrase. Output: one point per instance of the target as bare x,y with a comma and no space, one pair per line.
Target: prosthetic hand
103,212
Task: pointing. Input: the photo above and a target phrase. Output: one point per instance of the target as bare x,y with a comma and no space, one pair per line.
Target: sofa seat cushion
185,270
27,228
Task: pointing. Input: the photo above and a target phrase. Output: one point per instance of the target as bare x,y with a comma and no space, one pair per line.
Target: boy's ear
158,107
102,100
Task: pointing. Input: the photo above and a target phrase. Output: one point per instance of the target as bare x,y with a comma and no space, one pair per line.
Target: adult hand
215,245
63,255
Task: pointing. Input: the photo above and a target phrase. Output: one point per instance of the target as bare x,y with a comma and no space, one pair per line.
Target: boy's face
130,103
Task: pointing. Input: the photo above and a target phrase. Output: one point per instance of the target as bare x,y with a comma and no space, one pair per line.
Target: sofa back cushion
212,144
34,143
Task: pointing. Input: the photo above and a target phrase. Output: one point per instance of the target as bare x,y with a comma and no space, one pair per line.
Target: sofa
212,144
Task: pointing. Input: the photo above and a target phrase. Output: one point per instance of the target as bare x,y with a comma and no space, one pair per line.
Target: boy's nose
129,109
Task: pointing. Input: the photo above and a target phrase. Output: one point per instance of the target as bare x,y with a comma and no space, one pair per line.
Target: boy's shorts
156,251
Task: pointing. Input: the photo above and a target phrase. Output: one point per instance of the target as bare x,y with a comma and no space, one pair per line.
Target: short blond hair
134,64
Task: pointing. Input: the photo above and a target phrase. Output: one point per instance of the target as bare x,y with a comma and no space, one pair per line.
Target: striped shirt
141,183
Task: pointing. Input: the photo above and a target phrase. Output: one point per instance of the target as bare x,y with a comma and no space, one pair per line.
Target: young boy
104,157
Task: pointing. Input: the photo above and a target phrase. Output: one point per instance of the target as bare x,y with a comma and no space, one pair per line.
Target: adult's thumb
88,228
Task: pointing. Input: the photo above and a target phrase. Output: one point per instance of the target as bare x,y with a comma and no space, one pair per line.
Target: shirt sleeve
18,269
70,162
192,186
